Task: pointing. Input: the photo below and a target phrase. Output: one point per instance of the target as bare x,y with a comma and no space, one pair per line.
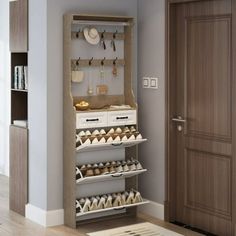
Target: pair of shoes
107,168
133,197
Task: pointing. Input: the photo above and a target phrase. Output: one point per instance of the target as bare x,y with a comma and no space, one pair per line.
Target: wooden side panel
19,26
69,129
18,169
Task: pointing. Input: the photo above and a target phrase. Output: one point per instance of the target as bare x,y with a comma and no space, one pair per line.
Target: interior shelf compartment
101,178
105,146
112,208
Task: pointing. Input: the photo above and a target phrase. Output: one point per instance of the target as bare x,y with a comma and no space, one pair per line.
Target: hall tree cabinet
100,143
19,105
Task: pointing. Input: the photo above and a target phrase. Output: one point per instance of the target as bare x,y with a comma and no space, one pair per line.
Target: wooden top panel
102,18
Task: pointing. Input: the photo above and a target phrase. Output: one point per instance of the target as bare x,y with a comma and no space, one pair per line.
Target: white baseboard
44,218
153,209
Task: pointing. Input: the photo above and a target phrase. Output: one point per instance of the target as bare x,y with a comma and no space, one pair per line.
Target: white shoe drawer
91,120
116,118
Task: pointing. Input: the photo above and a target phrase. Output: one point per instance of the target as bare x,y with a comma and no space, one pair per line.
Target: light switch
154,83
146,82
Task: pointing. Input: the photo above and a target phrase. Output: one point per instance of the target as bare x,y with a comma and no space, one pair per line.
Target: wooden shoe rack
105,112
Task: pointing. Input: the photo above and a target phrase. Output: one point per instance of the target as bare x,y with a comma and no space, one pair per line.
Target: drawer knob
122,118
91,120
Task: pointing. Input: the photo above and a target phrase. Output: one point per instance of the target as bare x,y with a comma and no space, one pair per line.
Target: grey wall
46,91
151,63
37,97
4,87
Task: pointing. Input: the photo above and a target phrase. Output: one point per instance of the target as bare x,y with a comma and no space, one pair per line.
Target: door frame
169,160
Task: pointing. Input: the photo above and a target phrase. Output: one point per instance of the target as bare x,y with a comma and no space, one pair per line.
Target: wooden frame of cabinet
69,119
18,183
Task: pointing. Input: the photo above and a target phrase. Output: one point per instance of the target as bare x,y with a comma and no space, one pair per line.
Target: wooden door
19,26
18,185
201,115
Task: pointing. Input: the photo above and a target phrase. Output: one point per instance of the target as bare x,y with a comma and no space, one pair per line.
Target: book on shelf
20,78
21,123
26,77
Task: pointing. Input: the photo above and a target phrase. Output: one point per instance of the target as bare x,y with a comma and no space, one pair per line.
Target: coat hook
114,35
77,34
102,61
77,62
90,61
114,62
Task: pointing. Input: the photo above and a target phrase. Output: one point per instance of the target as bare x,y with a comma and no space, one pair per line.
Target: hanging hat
92,36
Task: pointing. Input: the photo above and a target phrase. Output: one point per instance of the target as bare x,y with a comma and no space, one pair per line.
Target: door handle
179,119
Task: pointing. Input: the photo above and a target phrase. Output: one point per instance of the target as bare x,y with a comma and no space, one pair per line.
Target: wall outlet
154,83
146,82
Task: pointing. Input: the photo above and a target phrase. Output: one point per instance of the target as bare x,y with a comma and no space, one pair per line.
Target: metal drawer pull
122,118
90,120
117,175
179,119
116,144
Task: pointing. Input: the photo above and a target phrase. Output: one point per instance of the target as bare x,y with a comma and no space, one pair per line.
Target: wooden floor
11,224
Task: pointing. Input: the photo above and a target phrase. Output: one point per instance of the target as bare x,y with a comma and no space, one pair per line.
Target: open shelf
108,177
112,208
105,146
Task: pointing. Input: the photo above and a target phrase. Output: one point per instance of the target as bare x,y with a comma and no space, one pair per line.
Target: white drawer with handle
116,118
91,120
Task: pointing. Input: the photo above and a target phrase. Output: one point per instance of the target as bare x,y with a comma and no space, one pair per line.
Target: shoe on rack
105,171
87,205
83,169
78,207
95,132
81,133
87,142
102,140
132,129
95,141
78,173
97,171
89,173
108,164
139,136
113,163
117,201
111,131
101,203
117,139
119,169
125,168
108,203
94,204
102,132
112,170
118,130
109,139
130,198
95,165
100,165
132,167
126,130
138,198
139,166
131,138
88,133
123,199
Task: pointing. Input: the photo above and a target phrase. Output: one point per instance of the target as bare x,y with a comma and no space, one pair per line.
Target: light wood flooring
12,224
